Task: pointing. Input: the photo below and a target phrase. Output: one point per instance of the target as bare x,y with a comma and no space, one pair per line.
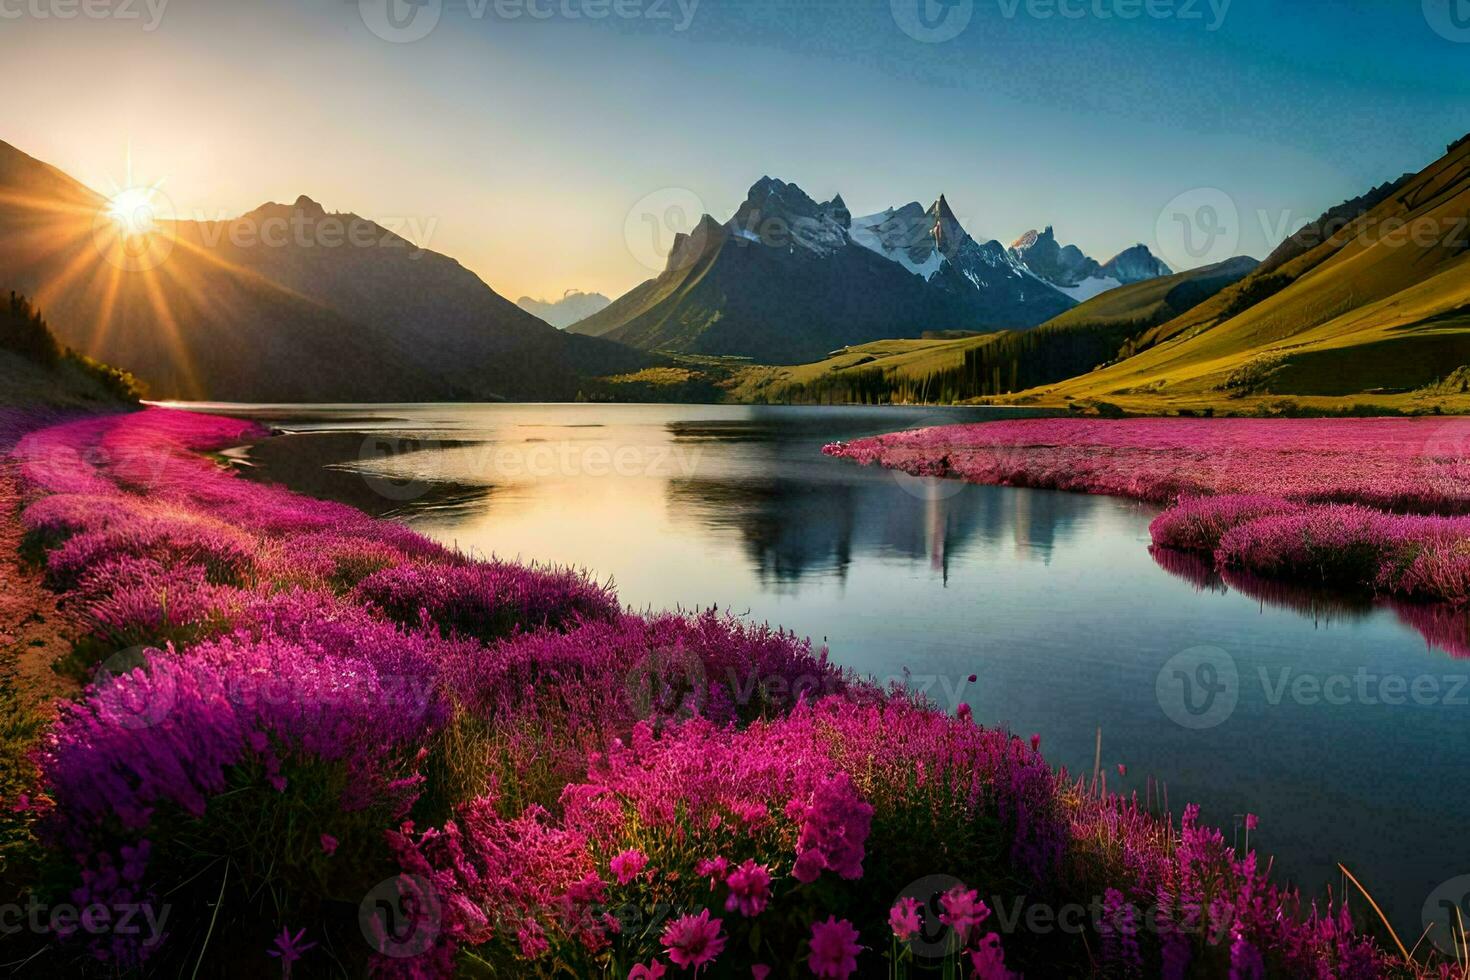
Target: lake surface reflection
1336,722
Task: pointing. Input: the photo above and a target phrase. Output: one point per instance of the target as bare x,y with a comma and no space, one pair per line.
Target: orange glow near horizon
117,247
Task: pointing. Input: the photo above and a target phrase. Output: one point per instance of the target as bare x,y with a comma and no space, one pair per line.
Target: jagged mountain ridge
788,279
1080,277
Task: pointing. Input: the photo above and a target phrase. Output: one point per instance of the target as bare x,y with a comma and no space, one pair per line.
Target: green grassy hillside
972,366
38,370
1378,309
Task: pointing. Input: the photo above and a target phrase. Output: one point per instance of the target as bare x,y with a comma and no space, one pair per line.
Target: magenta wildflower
650,971
834,949
628,865
329,845
988,959
834,829
694,940
750,889
714,869
962,910
759,971
905,919
1251,821
288,948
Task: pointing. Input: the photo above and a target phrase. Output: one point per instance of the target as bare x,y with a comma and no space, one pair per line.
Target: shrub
489,600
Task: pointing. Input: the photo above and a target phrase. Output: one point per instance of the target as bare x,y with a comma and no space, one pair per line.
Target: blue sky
522,144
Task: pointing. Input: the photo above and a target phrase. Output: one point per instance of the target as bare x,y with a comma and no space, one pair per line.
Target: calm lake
1335,722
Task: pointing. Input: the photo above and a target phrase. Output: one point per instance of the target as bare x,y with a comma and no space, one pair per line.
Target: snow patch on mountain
1090,287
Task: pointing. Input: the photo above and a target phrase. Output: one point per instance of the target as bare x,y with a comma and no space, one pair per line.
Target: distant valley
787,300
562,313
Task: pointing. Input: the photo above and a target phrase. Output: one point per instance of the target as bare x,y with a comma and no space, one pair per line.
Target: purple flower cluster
1398,464
486,601
560,781
1376,504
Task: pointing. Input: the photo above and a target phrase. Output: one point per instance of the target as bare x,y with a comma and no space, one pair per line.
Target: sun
134,212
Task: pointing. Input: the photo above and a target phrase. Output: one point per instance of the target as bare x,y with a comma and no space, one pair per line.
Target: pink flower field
1379,505
330,747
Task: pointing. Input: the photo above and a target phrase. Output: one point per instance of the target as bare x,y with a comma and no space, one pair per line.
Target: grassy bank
1376,505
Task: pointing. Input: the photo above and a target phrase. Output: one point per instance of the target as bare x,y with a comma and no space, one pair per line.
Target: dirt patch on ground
33,631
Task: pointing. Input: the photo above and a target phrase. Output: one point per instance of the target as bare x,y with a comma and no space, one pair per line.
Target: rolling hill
949,368
1373,299
38,371
228,311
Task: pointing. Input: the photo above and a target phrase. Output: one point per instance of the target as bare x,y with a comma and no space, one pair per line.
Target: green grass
1370,314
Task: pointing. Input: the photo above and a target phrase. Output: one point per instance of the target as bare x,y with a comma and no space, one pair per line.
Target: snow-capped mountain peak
1067,269
904,235
782,215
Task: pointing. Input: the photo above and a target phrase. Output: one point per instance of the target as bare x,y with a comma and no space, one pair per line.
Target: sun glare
133,212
